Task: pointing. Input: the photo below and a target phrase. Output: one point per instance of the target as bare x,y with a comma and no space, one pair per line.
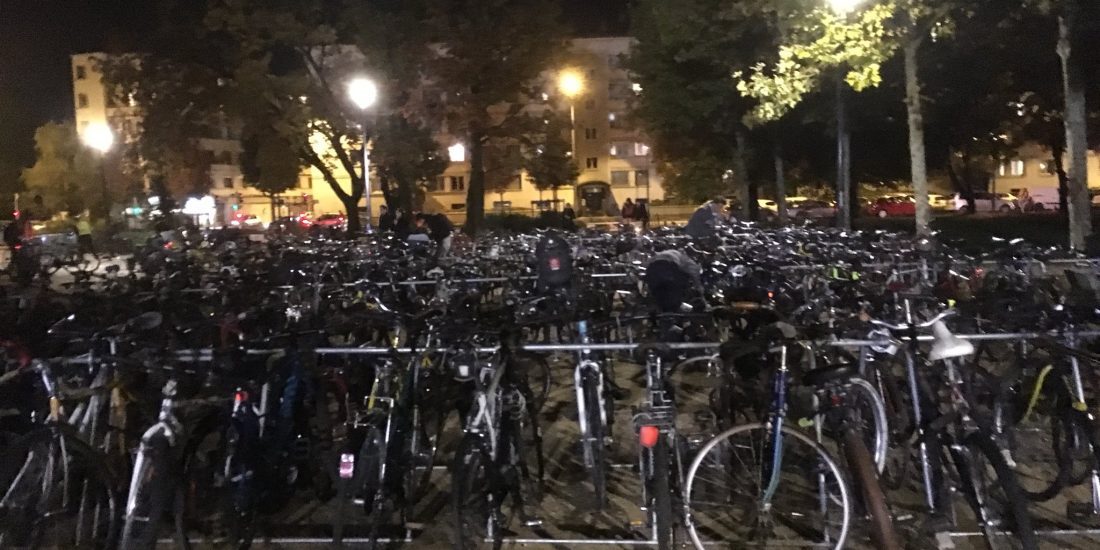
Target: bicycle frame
586,364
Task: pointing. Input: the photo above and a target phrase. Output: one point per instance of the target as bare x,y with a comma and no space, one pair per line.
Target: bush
518,223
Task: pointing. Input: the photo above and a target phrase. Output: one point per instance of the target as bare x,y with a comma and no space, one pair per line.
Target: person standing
84,235
385,219
641,213
568,215
439,229
704,221
628,210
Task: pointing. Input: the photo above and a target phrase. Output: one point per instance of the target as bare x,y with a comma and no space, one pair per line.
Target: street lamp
571,85
363,93
843,133
98,137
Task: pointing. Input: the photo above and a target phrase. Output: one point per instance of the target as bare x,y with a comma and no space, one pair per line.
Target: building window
515,183
621,149
641,178
225,157
227,183
435,184
458,206
81,101
614,61
458,183
589,133
617,120
641,150
457,152
591,163
620,177
1047,168
1011,168
81,72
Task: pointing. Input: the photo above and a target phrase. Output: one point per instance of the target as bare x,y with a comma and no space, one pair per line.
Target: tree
689,105
269,164
548,157
406,158
67,174
488,66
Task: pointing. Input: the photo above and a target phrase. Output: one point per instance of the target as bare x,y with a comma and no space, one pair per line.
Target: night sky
37,37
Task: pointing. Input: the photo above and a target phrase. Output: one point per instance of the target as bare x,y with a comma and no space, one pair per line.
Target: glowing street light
363,92
571,83
99,137
844,7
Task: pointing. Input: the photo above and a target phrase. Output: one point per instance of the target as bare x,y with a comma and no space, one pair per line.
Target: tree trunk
843,159
741,181
475,194
1076,120
387,191
917,158
404,198
961,184
1059,151
780,181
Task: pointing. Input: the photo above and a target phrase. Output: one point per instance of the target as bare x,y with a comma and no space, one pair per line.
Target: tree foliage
548,157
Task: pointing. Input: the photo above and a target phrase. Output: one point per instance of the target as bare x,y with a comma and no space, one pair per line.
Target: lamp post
99,137
363,93
571,85
843,134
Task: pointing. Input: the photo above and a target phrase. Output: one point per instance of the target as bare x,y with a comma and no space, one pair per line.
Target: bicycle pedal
532,522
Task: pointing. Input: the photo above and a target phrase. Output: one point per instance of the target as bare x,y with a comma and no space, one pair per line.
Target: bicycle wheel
865,477
726,485
593,445
421,444
661,490
151,485
536,372
475,498
993,492
57,493
366,483
234,524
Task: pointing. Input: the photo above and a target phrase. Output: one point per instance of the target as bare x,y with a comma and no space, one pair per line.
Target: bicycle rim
474,500
725,482
994,495
594,444
78,507
662,495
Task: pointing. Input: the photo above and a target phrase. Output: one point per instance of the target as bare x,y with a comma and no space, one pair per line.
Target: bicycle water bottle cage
947,345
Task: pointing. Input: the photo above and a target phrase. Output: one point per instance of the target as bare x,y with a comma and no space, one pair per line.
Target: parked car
810,209
1039,199
331,221
939,202
988,202
893,206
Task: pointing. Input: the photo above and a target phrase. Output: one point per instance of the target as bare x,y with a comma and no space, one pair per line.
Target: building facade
1033,168
614,159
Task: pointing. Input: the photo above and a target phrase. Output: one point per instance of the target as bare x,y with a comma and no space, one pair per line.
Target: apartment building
1033,168
614,159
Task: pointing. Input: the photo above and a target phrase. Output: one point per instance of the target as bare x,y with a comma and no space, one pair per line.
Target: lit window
1047,168
591,163
635,87
620,149
641,150
611,117
81,101
1011,168
641,178
81,72
457,152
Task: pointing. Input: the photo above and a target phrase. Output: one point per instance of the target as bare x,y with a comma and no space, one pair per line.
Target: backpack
12,233
669,283
555,262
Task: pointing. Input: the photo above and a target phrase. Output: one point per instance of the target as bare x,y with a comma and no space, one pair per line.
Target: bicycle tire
152,482
983,451
537,372
21,527
474,495
864,474
823,457
1009,412
662,495
420,448
594,444
1080,462
238,507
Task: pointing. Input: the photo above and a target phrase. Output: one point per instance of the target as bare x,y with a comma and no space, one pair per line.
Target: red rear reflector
648,435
